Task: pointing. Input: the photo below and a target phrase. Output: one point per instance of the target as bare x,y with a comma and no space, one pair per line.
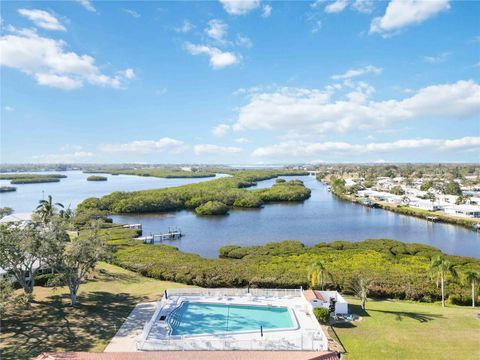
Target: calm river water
75,188
320,218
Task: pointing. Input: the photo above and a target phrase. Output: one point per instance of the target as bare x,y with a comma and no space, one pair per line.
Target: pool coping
291,312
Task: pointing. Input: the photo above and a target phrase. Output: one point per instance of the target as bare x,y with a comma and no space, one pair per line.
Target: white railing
312,342
220,292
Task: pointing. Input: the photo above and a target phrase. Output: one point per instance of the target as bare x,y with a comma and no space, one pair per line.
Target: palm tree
47,208
360,288
316,273
472,277
441,268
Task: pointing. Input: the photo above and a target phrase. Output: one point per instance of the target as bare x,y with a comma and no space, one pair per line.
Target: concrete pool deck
125,340
147,327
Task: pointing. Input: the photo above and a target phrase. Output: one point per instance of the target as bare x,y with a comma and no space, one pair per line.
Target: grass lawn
51,325
405,330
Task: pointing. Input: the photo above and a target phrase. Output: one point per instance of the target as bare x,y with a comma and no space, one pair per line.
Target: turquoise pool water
205,318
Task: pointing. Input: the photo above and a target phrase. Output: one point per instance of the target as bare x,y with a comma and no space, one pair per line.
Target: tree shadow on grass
357,310
420,317
52,325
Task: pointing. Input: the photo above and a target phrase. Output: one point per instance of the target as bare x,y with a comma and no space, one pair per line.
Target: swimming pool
193,318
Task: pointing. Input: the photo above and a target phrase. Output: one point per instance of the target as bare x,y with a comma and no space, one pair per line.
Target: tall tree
472,277
78,257
441,268
47,208
20,249
360,286
316,274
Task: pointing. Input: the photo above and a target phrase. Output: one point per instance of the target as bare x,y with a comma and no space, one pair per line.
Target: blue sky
240,81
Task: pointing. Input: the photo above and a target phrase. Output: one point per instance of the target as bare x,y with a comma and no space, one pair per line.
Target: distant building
319,298
471,211
19,219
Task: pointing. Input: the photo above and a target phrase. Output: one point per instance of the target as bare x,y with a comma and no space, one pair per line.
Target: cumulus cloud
242,140
239,7
336,6
437,59
146,146
221,130
186,27
203,149
42,19
47,61
266,11
369,69
402,13
364,6
87,4
305,149
217,30
244,41
313,111
77,156
218,59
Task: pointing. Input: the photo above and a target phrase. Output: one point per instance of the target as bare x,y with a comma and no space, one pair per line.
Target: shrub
212,208
322,315
460,299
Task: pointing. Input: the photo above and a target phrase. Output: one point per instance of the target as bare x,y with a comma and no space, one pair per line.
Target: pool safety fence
303,342
222,292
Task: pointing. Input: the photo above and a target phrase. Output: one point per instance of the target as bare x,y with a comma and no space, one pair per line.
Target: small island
97,178
31,178
7,189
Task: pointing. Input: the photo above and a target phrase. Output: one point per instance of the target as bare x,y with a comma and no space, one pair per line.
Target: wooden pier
173,233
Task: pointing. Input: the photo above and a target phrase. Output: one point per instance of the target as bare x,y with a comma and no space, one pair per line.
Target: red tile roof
193,355
313,295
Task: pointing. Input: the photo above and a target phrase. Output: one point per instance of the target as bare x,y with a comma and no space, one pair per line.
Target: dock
133,226
432,218
173,233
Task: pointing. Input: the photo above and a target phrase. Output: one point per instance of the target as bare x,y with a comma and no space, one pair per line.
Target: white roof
13,218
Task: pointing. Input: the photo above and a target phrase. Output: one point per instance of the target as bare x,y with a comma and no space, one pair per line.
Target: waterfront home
17,219
326,299
426,205
470,211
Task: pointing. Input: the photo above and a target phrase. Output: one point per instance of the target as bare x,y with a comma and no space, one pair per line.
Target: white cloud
402,13
87,4
186,27
304,149
244,41
239,7
203,149
221,130
336,7
369,69
313,111
146,146
437,59
8,108
364,6
42,19
217,30
47,61
77,156
317,25
132,13
266,11
242,140
218,59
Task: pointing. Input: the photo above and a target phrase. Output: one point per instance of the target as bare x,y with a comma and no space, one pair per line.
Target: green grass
406,330
51,325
